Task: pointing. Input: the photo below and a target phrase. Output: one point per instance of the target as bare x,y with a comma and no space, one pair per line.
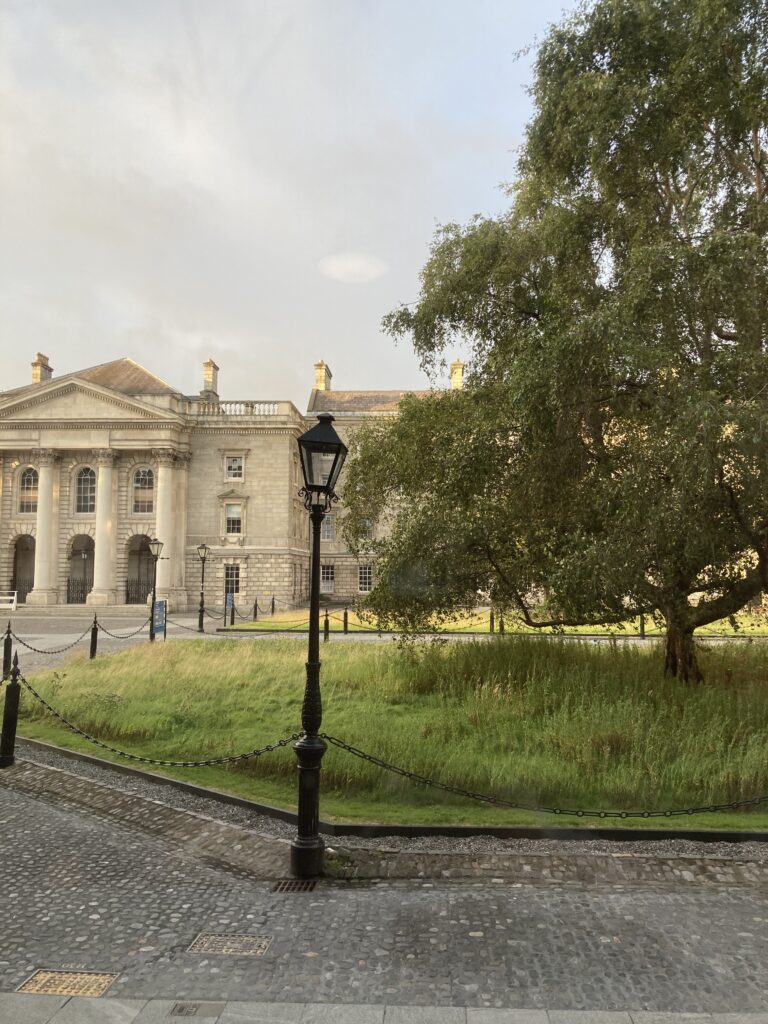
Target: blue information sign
230,600
158,623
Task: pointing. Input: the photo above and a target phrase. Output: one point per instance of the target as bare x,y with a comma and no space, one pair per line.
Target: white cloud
352,267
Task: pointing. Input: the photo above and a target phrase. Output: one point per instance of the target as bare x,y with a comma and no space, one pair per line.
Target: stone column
45,591
178,583
103,591
164,524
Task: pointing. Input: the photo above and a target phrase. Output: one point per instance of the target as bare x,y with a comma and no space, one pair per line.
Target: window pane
143,487
233,518
365,578
232,579
235,467
328,529
28,491
85,499
327,578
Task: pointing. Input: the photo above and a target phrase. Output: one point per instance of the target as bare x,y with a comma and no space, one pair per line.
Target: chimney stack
323,376
457,375
210,379
41,371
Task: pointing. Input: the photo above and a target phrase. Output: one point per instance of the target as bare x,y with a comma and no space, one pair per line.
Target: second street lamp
155,547
202,553
322,456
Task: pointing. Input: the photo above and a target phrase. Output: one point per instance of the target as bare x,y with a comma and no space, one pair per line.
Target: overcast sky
250,180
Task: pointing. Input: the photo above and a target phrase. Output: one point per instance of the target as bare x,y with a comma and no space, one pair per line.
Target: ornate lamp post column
322,456
156,547
202,553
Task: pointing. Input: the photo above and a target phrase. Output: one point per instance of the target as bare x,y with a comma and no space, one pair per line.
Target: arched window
143,490
85,490
28,490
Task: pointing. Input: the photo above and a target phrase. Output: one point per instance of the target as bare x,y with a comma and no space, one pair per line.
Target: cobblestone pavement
84,892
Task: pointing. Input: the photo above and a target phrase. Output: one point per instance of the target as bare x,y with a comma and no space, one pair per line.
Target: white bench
8,600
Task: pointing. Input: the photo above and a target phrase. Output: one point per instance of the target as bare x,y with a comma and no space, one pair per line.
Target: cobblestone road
82,892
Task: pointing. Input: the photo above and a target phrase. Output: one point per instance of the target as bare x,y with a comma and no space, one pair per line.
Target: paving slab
20,1008
98,1011
261,1013
671,1018
425,1015
342,1013
588,1017
506,1016
159,1011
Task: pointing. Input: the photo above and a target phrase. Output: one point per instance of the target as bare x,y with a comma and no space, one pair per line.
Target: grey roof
358,401
122,375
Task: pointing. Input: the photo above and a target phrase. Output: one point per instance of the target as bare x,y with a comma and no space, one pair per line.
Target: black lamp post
155,547
322,456
202,553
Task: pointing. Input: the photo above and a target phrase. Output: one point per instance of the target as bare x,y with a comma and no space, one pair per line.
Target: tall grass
553,721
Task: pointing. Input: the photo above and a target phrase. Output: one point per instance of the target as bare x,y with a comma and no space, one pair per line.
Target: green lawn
746,624
552,723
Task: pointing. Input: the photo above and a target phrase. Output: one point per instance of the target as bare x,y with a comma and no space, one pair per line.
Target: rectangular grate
68,983
207,1010
295,885
231,945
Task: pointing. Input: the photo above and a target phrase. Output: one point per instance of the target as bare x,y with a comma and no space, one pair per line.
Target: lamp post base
307,857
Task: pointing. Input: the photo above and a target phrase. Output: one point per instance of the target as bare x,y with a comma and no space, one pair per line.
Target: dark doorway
138,585
80,579
23,579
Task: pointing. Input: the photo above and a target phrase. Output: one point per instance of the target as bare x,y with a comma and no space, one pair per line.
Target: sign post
159,622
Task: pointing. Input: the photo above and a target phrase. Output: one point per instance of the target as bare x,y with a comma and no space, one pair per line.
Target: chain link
228,759
56,650
127,636
499,802
190,629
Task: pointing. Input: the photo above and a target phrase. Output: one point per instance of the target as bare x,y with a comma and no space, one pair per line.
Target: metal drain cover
68,983
295,885
197,1010
231,945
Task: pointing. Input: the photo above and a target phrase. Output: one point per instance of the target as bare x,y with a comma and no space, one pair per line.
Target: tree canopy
609,452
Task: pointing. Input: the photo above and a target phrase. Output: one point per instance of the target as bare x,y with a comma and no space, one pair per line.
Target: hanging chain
126,636
57,650
499,802
228,759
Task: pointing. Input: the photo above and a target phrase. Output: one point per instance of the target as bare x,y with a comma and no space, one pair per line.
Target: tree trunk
680,653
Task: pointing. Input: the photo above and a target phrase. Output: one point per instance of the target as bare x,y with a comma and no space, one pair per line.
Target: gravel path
264,825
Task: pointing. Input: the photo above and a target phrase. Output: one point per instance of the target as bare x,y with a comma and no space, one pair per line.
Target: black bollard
273,604
346,621
256,610
326,627
491,622
94,637
10,716
501,625
642,626
7,652
232,613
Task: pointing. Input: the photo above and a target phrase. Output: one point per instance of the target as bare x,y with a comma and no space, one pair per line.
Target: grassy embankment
556,723
747,625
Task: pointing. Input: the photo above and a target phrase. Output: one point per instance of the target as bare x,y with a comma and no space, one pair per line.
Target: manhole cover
295,885
231,945
206,1010
68,983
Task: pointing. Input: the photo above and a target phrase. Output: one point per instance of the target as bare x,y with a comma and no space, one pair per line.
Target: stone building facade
95,463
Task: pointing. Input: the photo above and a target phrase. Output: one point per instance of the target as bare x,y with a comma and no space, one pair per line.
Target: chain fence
226,759
522,806
126,636
56,650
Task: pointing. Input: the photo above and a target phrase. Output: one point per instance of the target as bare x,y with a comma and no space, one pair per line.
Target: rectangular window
231,579
28,495
367,529
327,578
234,467
365,578
85,491
328,529
143,488
234,518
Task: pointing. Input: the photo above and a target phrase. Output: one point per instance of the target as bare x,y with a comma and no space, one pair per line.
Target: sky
255,181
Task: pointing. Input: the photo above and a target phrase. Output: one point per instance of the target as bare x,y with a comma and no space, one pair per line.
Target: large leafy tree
609,452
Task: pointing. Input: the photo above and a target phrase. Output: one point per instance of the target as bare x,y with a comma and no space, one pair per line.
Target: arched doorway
138,585
23,579
80,579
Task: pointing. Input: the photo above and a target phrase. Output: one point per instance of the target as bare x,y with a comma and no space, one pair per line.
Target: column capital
163,456
45,456
105,456
183,459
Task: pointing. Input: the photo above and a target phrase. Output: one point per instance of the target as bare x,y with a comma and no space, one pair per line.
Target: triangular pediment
232,494
80,400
